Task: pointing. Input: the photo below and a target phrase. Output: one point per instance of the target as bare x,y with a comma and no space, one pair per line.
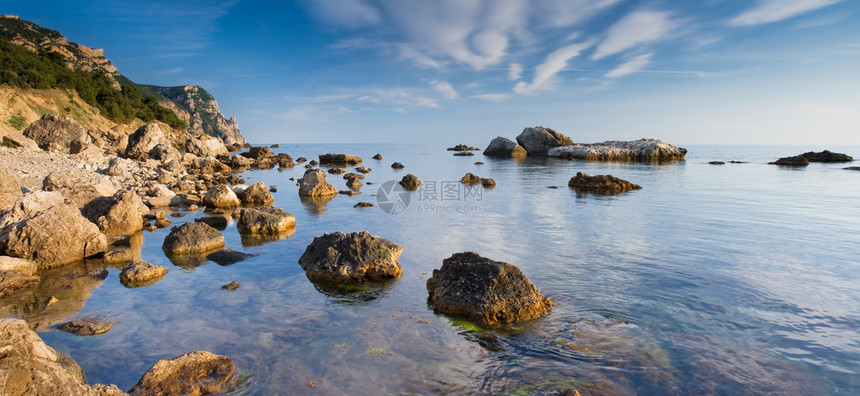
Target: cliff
191,104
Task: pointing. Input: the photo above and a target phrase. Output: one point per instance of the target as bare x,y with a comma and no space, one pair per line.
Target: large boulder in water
797,160
191,238
339,159
265,220
503,147
49,232
642,150
539,140
487,291
221,196
314,184
601,184
57,133
120,214
410,182
827,156
257,194
195,373
258,153
149,141
30,367
351,258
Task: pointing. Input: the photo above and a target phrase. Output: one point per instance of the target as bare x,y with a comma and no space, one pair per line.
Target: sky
466,71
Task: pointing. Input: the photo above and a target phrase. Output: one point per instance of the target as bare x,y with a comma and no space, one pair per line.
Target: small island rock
351,258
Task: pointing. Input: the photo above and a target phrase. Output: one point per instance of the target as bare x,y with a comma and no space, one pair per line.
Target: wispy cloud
493,97
515,71
346,13
175,70
554,63
766,11
445,89
637,27
632,66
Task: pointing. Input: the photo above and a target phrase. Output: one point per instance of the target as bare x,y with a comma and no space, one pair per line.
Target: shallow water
732,279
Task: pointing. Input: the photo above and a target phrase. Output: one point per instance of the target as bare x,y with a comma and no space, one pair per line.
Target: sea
742,278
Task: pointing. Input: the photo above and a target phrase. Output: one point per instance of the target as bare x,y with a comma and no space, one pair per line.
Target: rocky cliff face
190,102
199,110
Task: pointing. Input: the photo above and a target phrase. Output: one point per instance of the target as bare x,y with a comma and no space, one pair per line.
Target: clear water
732,279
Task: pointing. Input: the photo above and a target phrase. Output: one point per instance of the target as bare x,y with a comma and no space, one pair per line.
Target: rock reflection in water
316,205
252,240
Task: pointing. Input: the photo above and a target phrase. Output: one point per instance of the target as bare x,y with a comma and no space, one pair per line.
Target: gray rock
503,147
642,150
149,140
10,190
196,373
191,238
351,258
209,165
265,220
206,146
314,184
30,367
487,291
79,185
539,140
57,133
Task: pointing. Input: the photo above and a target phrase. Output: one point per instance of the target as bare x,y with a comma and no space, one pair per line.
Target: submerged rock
351,258
228,256
716,163
503,147
539,140
363,205
472,179
231,286
463,147
410,182
643,150
314,184
490,292
196,373
265,220
30,367
86,327
604,184
191,238
16,274
141,273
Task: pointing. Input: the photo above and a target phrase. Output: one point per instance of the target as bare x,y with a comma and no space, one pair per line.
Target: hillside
35,59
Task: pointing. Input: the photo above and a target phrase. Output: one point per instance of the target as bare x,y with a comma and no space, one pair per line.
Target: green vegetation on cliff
23,68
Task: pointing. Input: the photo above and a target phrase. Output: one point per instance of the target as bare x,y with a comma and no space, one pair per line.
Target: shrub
18,122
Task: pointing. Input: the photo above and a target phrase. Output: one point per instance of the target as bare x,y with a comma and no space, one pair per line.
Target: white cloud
632,66
495,97
515,71
554,63
398,97
766,11
444,88
637,27
346,13
564,13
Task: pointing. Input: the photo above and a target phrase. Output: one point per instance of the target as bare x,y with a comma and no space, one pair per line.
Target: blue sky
464,71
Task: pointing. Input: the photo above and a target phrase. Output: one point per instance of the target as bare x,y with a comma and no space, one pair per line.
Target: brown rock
149,141
196,373
502,147
78,185
601,184
339,159
397,165
221,196
265,220
231,286
56,133
363,205
192,238
120,214
378,156
351,258
257,194
10,190
141,273
410,182
314,184
86,327
490,292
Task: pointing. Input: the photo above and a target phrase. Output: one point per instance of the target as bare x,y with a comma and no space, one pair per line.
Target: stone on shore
120,214
30,367
257,194
265,220
49,233
141,273
339,159
79,185
487,291
86,327
314,184
150,142
503,147
602,184
18,140
196,373
57,133
642,150
410,182
16,274
10,190
351,258
539,140
191,238
206,146
221,196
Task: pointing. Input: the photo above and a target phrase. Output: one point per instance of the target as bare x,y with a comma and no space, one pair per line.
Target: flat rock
603,184
265,220
141,273
503,147
196,373
86,327
642,150
487,291
191,238
351,258
30,367
539,140
228,256
339,159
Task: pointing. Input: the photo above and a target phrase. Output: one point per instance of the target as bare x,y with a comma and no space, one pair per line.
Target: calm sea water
733,279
